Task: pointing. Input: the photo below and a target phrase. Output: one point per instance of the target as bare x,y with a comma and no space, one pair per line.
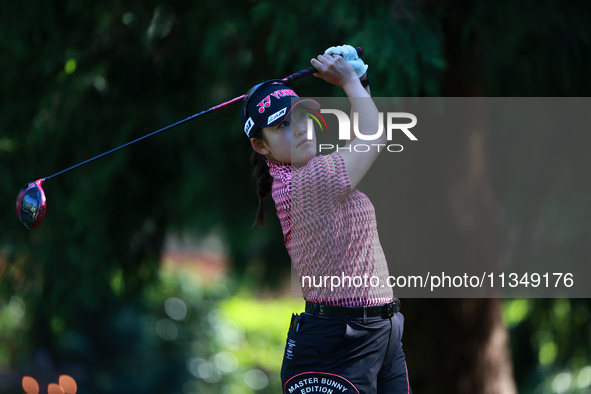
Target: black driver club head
31,204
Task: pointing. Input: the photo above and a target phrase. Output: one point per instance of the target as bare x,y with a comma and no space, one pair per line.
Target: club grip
312,70
303,73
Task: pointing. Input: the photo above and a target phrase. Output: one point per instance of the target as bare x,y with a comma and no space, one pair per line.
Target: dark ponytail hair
264,183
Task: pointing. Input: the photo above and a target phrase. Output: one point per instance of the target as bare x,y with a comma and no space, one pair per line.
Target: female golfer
348,340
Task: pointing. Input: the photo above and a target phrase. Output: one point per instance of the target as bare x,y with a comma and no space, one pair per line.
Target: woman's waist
384,308
350,302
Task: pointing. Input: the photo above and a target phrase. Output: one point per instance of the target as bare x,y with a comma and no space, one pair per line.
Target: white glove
350,55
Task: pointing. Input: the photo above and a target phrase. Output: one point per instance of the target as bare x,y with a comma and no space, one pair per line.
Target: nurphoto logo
393,126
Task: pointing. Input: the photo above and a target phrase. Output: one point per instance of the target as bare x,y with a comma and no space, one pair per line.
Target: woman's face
288,141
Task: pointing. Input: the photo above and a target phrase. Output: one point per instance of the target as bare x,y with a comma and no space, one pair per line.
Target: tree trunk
456,345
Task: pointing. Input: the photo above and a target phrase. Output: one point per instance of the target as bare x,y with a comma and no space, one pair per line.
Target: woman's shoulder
321,165
326,164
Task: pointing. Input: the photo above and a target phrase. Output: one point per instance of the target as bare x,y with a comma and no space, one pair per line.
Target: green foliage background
79,294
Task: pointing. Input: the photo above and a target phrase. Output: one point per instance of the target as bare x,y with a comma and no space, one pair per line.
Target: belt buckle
392,308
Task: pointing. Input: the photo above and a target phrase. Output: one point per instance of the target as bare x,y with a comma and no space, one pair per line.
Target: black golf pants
345,355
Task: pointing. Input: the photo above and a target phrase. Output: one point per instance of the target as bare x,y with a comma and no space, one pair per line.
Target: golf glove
350,55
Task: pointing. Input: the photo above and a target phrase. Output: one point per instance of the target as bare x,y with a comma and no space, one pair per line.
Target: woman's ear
259,146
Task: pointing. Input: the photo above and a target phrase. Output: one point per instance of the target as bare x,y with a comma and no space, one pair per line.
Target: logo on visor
265,103
248,125
276,116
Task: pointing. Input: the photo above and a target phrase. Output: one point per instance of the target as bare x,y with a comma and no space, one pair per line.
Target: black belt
385,310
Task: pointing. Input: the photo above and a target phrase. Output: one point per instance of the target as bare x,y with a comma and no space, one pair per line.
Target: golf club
31,204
